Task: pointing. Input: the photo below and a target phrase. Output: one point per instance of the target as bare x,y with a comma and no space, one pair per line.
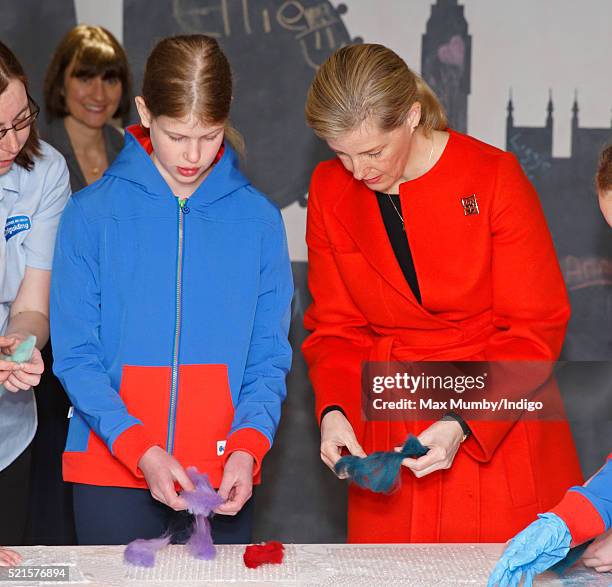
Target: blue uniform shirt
31,203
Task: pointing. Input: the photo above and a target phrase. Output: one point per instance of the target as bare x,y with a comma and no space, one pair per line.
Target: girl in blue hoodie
170,312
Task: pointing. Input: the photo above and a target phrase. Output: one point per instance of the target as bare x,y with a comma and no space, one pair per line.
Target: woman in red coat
427,245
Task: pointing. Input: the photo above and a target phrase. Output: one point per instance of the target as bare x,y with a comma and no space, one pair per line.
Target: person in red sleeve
585,512
426,244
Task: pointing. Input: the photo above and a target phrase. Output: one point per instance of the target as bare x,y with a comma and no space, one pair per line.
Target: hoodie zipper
177,327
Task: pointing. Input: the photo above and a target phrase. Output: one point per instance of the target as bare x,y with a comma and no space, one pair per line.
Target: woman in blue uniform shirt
34,188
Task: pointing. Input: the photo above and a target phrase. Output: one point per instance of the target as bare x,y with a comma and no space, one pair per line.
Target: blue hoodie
169,320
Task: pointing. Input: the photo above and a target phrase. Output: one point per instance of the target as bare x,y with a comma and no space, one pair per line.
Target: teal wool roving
380,470
24,350
22,354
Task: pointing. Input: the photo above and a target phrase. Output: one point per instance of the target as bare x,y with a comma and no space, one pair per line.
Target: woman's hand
598,554
443,439
6,368
237,483
336,434
161,470
19,376
9,558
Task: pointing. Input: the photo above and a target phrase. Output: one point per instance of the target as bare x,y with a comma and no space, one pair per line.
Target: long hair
10,69
361,81
190,75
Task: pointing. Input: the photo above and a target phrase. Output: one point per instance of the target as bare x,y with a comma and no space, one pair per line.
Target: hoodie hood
134,164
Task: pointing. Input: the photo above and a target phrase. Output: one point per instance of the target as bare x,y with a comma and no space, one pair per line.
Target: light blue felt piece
23,353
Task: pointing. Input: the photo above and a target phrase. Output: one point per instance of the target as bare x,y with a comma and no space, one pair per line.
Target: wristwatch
457,418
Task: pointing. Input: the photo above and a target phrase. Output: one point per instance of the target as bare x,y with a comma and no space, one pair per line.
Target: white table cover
306,565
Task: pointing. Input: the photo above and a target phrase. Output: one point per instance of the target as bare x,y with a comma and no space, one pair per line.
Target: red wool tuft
259,554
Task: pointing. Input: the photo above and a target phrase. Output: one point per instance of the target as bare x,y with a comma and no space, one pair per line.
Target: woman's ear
414,115
143,112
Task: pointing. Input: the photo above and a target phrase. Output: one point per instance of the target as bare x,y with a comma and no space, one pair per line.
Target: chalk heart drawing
453,53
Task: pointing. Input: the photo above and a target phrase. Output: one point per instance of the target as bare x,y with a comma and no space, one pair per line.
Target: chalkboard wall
274,47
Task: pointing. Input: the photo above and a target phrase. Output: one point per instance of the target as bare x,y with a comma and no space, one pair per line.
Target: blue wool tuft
379,471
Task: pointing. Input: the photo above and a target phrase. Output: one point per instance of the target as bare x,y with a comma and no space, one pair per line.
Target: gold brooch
470,205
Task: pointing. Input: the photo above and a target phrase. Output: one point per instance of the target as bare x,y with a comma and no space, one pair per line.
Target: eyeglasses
24,122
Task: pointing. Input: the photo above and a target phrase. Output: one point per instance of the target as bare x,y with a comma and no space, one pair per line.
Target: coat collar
358,211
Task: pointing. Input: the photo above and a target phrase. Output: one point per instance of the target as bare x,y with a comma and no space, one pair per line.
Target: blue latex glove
532,551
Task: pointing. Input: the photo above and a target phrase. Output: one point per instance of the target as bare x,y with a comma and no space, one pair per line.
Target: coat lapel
358,212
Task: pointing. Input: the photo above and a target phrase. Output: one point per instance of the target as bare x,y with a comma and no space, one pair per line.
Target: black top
56,135
398,238
392,216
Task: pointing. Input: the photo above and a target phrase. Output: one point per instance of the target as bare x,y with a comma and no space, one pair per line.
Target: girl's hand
237,483
161,470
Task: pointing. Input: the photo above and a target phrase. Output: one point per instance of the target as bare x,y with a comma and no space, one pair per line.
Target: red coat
491,289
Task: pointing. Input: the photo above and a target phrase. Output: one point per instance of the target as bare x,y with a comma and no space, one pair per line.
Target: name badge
16,224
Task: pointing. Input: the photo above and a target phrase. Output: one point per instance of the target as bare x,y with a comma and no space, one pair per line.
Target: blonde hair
361,81
190,74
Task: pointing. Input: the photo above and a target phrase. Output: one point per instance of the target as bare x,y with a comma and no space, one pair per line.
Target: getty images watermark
476,390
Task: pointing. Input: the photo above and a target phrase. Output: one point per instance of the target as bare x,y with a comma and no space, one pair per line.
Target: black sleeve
460,421
331,409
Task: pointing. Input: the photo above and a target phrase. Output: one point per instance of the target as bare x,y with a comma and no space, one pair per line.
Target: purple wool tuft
204,499
142,552
201,502
200,543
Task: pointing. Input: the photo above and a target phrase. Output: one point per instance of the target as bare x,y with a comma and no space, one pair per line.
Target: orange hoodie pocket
145,391
204,413
146,394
